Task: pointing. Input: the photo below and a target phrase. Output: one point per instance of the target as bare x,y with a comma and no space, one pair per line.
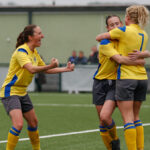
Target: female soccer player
25,61
131,85
104,85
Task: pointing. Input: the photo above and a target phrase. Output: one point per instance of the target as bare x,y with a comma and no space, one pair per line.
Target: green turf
63,118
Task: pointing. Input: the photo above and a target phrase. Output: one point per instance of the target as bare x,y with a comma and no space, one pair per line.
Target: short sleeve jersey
107,68
130,38
18,78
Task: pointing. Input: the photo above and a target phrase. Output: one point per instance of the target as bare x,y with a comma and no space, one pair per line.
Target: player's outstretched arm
68,68
137,54
35,69
127,61
103,36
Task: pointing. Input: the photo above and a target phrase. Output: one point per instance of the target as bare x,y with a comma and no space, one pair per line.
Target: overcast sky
69,2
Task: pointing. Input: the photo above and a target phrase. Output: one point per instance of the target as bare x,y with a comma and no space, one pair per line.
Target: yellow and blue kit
130,38
18,78
107,68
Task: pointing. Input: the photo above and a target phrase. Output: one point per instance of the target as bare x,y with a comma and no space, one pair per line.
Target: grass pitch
62,114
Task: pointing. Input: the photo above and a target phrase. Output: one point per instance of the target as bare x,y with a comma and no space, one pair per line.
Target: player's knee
19,125
103,117
33,123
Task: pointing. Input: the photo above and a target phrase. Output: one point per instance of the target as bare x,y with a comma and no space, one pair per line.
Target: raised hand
70,67
54,62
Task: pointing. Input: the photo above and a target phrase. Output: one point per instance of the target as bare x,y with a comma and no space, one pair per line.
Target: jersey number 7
141,34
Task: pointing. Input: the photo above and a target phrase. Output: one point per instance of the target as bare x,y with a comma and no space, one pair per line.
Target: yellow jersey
18,78
130,38
107,68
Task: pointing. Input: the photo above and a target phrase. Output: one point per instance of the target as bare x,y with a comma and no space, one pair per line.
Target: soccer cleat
115,144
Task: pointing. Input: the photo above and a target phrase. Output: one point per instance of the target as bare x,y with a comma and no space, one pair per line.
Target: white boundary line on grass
69,133
72,105
66,105
75,105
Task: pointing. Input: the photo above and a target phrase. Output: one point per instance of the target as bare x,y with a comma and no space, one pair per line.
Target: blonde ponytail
138,14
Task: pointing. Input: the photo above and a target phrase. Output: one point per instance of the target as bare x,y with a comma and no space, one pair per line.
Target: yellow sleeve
107,49
22,58
40,61
117,33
